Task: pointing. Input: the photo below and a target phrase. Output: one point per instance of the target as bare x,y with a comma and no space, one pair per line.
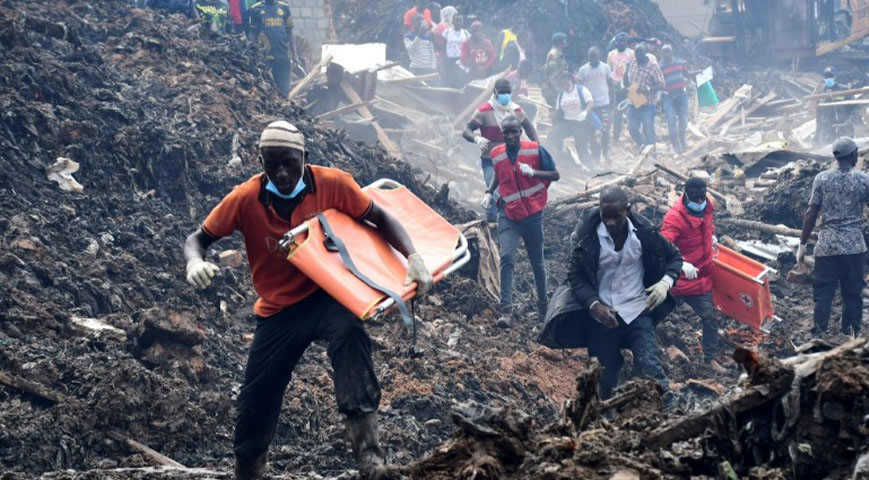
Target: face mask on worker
696,207
270,186
504,99
300,185
830,82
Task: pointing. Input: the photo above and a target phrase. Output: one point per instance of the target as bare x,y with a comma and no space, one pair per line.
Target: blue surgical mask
830,82
696,207
270,186
504,98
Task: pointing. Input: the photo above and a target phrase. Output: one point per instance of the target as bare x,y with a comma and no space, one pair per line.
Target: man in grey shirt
596,76
838,195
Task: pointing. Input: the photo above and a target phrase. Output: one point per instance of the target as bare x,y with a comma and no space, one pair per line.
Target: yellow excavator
785,29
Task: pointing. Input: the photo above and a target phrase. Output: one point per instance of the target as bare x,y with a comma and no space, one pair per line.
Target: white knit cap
282,134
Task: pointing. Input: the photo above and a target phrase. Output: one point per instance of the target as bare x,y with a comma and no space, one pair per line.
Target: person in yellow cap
292,311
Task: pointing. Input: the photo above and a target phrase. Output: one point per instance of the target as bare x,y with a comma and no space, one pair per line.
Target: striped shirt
421,50
674,75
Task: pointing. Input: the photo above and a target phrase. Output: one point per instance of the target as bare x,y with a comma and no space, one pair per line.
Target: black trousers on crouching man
845,271
278,344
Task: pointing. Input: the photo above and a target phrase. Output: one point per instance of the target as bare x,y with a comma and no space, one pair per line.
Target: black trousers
278,344
282,75
639,336
704,307
846,272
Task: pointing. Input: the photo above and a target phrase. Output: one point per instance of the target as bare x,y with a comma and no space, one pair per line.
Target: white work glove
801,253
487,201
526,169
482,143
689,270
657,293
714,241
200,272
417,272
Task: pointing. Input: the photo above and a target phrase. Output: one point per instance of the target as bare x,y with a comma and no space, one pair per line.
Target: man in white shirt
596,76
619,277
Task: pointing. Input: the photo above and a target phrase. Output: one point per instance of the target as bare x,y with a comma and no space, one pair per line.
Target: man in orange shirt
292,311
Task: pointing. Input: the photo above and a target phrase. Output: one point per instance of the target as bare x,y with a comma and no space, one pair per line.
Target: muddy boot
362,433
246,469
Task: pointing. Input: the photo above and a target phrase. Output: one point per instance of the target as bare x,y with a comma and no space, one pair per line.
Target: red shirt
248,209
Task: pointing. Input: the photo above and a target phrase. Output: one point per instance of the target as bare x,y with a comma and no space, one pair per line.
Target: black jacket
567,316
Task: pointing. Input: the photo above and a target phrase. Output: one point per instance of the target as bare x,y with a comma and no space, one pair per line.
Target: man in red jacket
688,225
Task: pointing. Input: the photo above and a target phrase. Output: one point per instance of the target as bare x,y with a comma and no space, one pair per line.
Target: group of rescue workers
625,275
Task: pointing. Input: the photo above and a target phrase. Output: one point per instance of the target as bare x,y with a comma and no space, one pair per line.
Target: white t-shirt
571,105
596,80
455,38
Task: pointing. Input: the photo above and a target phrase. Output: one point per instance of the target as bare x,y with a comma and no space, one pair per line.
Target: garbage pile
799,417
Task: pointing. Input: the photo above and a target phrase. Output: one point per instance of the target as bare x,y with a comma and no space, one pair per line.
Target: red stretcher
356,266
740,289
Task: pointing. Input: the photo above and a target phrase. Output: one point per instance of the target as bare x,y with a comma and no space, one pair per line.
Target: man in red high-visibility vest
523,172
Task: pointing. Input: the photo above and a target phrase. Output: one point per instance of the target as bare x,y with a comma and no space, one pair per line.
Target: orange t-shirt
248,209
408,17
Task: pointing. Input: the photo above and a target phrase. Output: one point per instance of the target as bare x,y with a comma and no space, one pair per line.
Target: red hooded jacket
693,236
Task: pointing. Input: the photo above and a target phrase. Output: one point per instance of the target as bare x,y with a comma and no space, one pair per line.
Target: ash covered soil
153,108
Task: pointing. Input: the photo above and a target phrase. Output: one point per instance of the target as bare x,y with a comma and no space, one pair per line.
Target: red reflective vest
522,196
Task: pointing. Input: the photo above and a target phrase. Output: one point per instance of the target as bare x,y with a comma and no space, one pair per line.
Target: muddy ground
149,105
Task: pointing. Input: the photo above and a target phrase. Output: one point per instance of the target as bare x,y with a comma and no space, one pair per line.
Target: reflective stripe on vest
522,151
524,193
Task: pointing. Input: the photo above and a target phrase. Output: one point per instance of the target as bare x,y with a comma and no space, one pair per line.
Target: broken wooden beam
844,103
30,388
40,391
683,178
149,453
853,91
341,111
312,75
754,107
764,227
390,146
726,107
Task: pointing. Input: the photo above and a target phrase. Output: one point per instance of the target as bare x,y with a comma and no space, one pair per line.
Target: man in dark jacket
619,277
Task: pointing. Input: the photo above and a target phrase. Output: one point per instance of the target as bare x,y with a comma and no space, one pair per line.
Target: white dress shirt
620,274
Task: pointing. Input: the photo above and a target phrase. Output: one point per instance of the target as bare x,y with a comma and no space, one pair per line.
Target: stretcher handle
457,264
742,274
290,237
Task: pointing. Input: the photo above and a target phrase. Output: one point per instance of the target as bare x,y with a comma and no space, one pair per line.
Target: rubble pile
800,417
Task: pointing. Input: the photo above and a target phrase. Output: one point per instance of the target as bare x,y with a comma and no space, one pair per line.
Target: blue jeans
643,117
530,230
639,336
488,175
676,111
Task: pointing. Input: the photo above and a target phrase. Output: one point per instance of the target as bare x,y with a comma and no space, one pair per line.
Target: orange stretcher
356,266
740,289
